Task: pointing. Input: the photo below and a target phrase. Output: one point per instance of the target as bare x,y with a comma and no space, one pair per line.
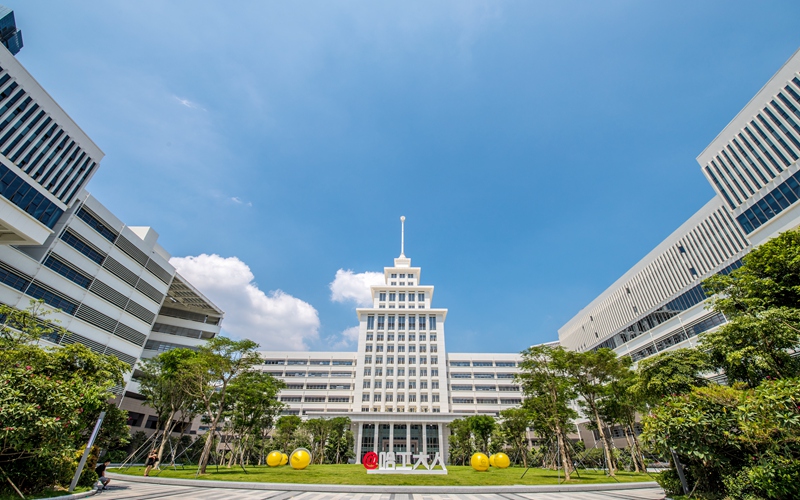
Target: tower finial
402,235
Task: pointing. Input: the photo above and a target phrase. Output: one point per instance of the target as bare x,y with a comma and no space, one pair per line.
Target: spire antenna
402,235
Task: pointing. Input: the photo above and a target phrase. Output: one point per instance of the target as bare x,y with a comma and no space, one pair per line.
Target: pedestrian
101,473
152,458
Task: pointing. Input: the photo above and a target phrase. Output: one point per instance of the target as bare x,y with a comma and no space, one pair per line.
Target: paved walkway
127,490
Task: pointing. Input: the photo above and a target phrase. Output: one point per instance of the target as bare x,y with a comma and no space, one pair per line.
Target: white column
377,429
441,441
425,439
408,436
446,446
359,433
391,437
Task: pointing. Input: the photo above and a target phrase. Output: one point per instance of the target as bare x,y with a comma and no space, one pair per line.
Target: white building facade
401,388
753,167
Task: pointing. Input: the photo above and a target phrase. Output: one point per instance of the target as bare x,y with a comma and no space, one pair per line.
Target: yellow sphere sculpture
491,460
274,459
284,459
479,462
501,461
300,459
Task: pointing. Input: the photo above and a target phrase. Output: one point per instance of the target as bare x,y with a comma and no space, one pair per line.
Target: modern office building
753,167
401,388
108,284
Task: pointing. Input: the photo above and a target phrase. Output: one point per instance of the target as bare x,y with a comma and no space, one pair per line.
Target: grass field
356,474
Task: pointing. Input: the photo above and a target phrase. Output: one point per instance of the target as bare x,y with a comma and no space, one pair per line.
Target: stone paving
127,490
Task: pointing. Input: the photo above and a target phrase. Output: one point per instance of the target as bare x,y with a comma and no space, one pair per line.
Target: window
368,348
423,384
422,322
459,363
380,337
340,386
433,337
481,363
423,348
423,398
412,384
435,398
435,384
461,387
290,399
484,375
412,372
506,364
434,348
401,297
391,322
390,372
461,375
334,399
317,386
368,359
401,372
434,360
412,360
401,360
412,348
401,398
420,296
434,371
378,360
506,401
314,399
367,372
389,384
412,337
412,398
369,337
401,348
392,297
273,362
379,348
402,276
370,322
367,384
364,397
378,384
401,384
485,388
319,362
390,348
381,322
411,297
505,375
382,296
411,324
423,372
401,323
390,337
394,276
95,224
509,388
81,246
401,337
423,360
389,399
432,323
491,401
67,271
389,360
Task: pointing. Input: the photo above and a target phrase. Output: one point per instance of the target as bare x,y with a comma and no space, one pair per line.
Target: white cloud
344,340
239,201
189,104
275,319
349,286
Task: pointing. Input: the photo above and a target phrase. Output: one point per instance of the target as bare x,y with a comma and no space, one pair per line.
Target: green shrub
775,477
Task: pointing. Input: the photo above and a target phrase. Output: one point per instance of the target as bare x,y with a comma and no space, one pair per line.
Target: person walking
152,458
101,473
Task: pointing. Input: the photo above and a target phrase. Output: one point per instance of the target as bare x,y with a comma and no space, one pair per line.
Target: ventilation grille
159,272
140,312
151,292
72,338
16,271
129,248
96,318
128,333
83,240
120,271
105,292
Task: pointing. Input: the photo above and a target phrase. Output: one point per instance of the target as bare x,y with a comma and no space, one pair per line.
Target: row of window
312,374
761,150
491,401
501,364
310,387
388,322
401,409
27,198
401,337
401,348
401,384
315,399
685,332
400,398
402,296
320,362
401,360
489,388
481,375
773,203
401,372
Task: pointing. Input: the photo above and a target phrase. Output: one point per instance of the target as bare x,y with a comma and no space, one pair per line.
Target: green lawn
356,474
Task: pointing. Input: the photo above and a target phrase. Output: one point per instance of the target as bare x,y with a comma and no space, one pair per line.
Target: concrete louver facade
753,167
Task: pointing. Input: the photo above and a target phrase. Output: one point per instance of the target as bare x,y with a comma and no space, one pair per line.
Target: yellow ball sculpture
501,461
284,459
274,459
300,459
491,460
479,462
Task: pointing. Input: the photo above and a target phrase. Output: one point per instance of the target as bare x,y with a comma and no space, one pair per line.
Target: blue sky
537,149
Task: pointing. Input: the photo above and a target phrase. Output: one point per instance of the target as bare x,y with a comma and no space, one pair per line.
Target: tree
549,392
340,441
514,429
220,361
620,406
285,429
482,427
164,385
318,430
460,441
669,373
760,301
254,406
591,372
50,399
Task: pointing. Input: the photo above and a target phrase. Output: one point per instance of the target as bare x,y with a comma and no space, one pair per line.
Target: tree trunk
604,439
209,442
632,449
639,455
168,426
562,449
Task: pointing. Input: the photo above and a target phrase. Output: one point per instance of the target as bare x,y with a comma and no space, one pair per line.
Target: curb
75,496
362,488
